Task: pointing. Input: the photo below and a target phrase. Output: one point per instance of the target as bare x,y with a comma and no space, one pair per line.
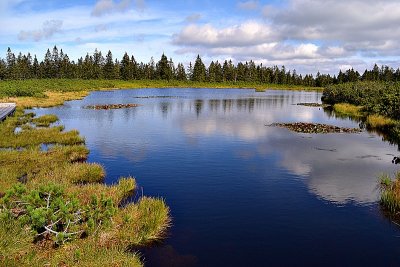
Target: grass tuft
83,173
45,120
379,122
349,110
390,194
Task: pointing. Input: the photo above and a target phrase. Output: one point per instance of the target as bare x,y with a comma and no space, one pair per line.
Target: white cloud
193,17
312,35
361,25
248,5
50,27
103,7
248,33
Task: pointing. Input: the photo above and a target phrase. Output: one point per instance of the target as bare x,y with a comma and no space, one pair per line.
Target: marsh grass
40,88
344,109
83,173
45,120
22,160
390,194
380,122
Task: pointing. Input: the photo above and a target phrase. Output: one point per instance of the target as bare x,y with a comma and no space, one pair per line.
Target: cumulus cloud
318,33
101,28
371,25
248,33
103,7
50,27
193,17
248,5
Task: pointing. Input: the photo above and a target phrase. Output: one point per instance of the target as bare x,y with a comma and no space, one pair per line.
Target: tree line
57,64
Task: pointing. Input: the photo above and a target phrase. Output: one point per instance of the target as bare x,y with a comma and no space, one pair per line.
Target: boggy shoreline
57,207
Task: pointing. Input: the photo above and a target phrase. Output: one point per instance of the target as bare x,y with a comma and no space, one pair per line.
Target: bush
54,215
375,97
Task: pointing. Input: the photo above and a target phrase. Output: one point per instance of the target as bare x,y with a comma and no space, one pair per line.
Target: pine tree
10,60
199,70
98,62
47,65
211,75
180,73
3,69
55,63
189,72
108,69
126,69
163,69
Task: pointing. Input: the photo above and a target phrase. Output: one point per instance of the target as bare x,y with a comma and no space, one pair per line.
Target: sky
306,35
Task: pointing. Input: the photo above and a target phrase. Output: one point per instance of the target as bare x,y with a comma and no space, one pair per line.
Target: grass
390,194
81,173
45,120
23,161
384,125
344,109
48,99
53,92
379,122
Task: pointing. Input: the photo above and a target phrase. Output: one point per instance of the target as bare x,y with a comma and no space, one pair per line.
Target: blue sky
307,35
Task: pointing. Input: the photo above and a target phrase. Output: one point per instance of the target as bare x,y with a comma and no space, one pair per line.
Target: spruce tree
199,70
180,73
108,69
163,69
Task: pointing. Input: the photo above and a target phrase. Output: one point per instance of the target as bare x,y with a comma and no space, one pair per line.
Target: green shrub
54,215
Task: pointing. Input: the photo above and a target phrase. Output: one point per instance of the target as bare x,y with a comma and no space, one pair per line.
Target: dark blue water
242,193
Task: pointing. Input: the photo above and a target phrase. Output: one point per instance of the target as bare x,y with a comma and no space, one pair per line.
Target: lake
242,193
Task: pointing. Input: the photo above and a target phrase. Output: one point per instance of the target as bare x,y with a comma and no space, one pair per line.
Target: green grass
85,173
64,166
38,87
344,109
380,122
388,127
45,120
375,97
390,194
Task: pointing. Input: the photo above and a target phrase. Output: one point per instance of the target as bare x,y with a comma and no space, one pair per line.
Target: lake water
242,193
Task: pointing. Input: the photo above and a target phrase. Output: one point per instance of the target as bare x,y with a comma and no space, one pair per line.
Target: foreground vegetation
54,207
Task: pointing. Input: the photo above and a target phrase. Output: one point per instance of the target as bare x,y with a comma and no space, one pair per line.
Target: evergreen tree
47,65
55,63
36,68
181,73
241,71
98,64
126,68
199,70
3,69
10,60
108,69
190,71
163,69
211,73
